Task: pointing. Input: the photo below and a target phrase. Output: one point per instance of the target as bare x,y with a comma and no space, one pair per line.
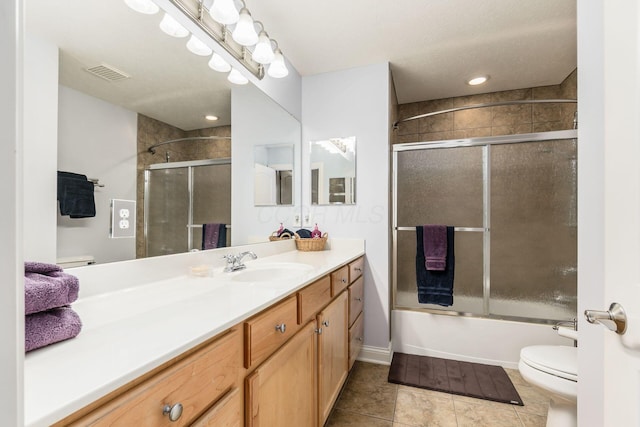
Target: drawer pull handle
358,269
358,299
359,339
282,327
174,412
344,280
325,323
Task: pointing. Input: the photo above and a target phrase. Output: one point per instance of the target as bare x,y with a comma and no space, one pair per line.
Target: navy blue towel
75,194
222,236
435,287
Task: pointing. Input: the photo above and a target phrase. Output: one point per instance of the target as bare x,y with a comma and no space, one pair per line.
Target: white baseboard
379,355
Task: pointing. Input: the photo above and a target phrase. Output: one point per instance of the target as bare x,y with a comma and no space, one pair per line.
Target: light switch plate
123,219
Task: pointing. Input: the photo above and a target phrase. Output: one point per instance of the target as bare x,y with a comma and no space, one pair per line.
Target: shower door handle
614,319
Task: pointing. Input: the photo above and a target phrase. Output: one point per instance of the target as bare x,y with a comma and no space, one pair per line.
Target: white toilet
554,369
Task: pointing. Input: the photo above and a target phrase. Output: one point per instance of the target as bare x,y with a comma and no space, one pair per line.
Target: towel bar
474,229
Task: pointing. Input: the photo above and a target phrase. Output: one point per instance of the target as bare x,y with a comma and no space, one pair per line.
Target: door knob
614,319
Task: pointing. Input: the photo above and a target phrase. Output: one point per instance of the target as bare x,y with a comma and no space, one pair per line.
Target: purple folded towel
435,247
48,327
40,267
45,291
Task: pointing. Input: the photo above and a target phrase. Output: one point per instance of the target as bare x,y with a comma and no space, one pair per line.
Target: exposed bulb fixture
236,78
277,68
263,52
477,80
143,6
217,63
195,45
245,32
224,12
211,117
172,27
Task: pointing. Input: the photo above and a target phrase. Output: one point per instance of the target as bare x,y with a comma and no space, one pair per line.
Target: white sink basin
271,272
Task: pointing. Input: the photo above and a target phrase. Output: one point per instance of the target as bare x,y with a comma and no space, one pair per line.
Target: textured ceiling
433,47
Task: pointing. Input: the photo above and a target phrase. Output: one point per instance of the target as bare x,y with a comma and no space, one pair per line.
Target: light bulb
217,63
237,78
277,68
172,27
224,12
143,6
195,45
477,80
245,33
263,53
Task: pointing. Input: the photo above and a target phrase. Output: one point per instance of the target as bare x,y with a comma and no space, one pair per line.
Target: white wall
40,147
11,268
97,139
355,102
258,120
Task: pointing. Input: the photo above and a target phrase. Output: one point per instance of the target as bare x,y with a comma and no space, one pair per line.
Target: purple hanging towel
435,247
210,236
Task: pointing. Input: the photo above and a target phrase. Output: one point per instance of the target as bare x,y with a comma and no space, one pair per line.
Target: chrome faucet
234,262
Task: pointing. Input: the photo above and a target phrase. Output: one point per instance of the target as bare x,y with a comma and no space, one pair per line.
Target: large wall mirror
333,171
123,86
273,175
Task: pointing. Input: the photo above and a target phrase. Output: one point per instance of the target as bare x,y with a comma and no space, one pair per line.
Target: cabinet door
282,391
333,354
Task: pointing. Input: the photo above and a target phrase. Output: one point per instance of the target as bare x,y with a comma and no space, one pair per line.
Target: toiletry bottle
280,230
316,234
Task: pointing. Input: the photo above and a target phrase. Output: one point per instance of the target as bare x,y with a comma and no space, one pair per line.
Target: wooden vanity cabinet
356,307
333,354
198,382
282,391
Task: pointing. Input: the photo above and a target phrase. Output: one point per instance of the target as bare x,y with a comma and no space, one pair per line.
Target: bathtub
472,339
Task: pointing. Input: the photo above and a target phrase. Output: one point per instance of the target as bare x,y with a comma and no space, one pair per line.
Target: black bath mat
451,376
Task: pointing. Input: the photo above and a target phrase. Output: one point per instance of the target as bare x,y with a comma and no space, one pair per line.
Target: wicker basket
311,244
275,238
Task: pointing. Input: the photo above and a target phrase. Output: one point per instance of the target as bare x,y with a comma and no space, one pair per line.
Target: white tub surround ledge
140,314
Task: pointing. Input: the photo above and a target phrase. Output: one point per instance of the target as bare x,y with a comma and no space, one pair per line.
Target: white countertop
129,330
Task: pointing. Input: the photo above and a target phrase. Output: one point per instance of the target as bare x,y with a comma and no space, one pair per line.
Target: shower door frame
190,165
485,143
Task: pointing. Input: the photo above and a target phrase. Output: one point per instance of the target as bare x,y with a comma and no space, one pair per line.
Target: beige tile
488,403
433,393
369,373
511,115
416,407
472,133
511,95
547,112
482,98
474,415
403,139
438,123
547,92
373,398
512,130
472,119
341,418
531,420
437,136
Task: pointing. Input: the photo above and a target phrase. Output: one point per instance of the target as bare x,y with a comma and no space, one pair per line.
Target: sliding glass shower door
179,198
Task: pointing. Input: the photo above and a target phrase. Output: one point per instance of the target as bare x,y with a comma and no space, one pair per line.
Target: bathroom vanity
272,342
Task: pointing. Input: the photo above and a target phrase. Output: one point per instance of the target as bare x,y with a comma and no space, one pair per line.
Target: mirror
273,175
333,171
120,92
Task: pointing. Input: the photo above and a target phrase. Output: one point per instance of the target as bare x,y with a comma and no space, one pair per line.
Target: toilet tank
75,261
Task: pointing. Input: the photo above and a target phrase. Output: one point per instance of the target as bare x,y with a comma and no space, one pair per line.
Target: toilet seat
561,361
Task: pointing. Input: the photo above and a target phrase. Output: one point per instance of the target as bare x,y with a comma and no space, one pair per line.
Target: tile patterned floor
368,400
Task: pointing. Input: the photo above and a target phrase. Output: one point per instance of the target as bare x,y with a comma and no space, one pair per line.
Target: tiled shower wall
151,131
490,121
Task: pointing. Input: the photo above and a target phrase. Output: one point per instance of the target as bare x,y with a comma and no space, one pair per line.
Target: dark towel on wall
75,194
435,246
214,236
435,287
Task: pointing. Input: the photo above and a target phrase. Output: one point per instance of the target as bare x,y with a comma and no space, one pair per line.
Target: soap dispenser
280,230
316,234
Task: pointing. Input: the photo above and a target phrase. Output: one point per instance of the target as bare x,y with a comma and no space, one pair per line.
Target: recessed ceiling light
211,117
477,80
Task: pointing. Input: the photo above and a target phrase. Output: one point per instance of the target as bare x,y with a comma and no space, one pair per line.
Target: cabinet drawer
355,269
228,412
339,280
356,299
194,382
269,330
356,337
313,298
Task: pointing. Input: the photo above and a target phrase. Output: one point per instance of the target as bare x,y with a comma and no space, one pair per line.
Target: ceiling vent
108,73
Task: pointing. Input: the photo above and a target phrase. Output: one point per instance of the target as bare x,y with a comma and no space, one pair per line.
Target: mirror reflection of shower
180,198
273,175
